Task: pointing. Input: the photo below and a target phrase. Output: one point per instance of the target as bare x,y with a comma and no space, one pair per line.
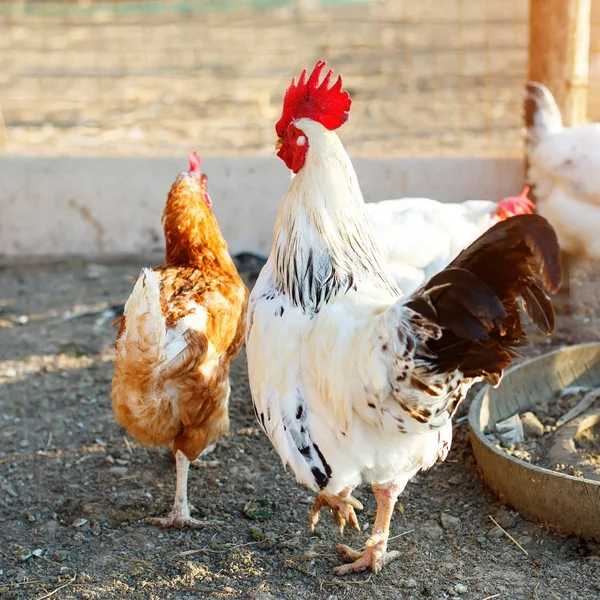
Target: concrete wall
53,207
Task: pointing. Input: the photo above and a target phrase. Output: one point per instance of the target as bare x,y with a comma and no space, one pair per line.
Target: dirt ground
426,78
74,490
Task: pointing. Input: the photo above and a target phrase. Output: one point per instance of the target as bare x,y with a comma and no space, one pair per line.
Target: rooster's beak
279,144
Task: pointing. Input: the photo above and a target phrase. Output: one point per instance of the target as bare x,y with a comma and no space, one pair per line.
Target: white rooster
351,382
564,170
419,236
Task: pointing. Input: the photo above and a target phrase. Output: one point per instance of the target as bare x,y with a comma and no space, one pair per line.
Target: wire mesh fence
154,77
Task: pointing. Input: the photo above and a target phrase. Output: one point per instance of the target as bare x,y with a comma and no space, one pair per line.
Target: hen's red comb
194,162
515,205
330,106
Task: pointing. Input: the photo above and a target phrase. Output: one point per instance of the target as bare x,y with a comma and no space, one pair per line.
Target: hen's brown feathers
192,234
178,337
474,300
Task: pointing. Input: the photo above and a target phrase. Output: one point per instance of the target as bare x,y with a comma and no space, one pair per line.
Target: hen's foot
375,557
201,464
205,463
177,519
342,508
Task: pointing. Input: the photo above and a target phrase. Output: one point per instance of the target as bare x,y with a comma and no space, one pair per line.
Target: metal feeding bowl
565,504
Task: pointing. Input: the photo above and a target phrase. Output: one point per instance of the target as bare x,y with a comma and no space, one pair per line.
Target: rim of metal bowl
494,470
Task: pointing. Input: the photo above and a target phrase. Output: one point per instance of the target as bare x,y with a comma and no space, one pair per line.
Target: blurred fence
156,77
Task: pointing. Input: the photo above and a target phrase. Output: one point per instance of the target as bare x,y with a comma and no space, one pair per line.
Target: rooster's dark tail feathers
474,299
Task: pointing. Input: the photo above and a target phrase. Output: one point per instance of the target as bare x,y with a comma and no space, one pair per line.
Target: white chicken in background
419,236
351,382
564,172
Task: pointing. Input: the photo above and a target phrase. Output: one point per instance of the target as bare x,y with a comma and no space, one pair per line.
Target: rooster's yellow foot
375,557
342,508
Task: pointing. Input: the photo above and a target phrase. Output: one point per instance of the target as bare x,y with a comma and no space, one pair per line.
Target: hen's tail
541,114
137,389
474,299
143,332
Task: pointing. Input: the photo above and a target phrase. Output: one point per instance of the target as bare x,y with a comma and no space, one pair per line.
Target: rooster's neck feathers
323,243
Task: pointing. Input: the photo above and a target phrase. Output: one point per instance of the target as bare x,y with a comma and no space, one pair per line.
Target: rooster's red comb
194,162
330,106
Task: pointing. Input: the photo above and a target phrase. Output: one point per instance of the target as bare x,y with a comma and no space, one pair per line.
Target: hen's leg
341,506
180,513
376,556
205,463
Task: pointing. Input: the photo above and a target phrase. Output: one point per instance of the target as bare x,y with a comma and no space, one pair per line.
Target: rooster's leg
341,506
180,513
375,557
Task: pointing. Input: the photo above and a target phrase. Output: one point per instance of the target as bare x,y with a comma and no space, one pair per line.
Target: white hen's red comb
515,205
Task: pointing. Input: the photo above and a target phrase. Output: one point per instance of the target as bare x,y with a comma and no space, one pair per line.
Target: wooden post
559,46
559,42
594,59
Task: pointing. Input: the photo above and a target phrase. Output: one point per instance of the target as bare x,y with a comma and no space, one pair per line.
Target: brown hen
183,324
